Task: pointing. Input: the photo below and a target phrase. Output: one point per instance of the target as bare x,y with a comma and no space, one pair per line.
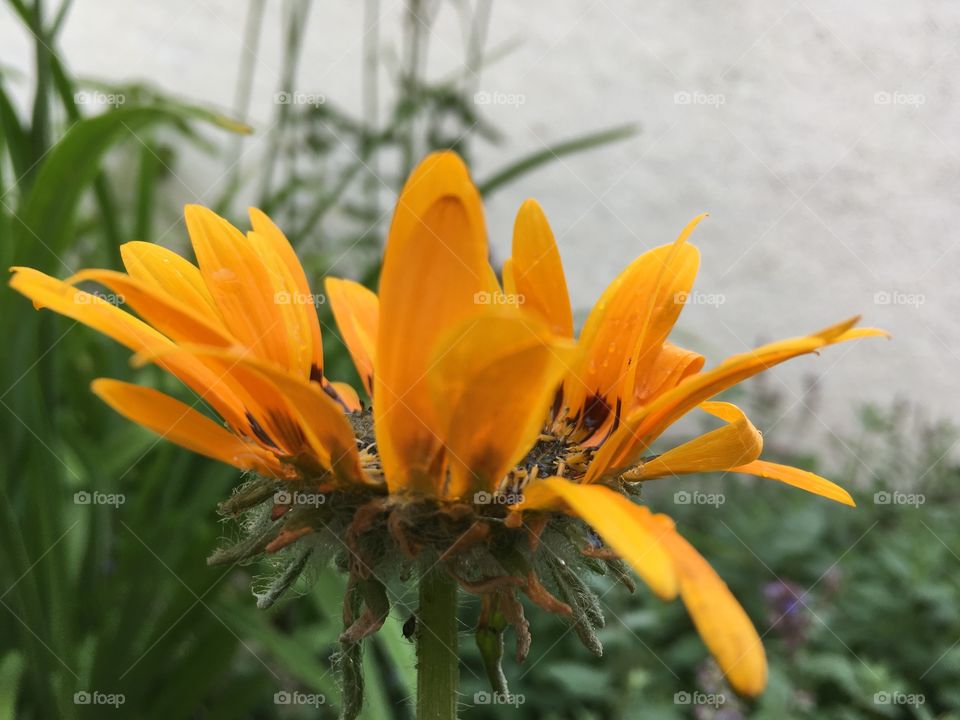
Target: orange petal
626,329
509,283
130,331
347,395
536,272
720,620
434,266
492,379
625,446
165,312
357,312
672,365
166,271
798,478
627,528
736,443
243,287
295,414
666,301
281,247
181,424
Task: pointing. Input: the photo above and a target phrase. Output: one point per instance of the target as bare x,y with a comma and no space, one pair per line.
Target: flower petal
292,414
798,478
346,395
492,379
247,291
736,443
720,620
281,248
357,312
165,270
666,301
626,330
167,313
434,264
626,527
95,312
509,283
627,444
536,271
181,424
672,365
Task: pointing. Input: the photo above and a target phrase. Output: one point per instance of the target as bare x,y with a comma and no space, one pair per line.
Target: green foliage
118,599
854,605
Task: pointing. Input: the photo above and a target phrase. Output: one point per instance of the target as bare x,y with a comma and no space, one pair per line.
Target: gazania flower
498,449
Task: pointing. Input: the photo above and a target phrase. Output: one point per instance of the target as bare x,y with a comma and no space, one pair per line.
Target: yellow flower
481,398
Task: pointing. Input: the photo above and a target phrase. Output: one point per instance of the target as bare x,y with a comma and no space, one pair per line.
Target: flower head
497,445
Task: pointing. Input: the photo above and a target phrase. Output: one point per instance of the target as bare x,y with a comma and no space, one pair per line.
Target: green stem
438,671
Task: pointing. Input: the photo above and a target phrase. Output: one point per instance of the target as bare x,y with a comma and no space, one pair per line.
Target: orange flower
480,395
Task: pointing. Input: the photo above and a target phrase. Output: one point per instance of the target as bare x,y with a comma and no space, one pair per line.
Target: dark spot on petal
316,373
332,392
260,433
616,416
595,412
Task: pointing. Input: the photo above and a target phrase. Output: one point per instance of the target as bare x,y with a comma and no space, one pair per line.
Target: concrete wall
820,136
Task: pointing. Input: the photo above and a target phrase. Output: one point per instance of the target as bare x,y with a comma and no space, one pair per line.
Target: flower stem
438,671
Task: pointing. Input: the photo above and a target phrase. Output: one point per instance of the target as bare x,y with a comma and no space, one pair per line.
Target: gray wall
820,136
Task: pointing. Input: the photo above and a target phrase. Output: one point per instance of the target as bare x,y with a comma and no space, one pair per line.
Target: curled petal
736,443
623,525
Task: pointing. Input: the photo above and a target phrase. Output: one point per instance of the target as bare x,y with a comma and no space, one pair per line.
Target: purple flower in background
787,612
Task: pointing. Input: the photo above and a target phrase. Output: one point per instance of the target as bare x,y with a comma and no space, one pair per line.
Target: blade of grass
552,153
49,209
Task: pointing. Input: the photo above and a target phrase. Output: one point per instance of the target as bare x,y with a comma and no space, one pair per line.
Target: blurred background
817,135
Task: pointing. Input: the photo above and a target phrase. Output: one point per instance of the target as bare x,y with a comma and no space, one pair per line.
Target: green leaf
48,211
11,667
551,153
